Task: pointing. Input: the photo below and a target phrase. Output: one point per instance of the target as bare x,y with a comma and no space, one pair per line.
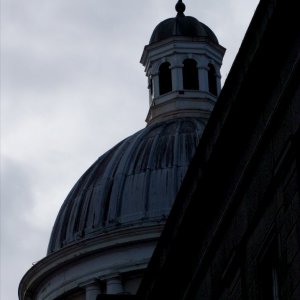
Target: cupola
182,62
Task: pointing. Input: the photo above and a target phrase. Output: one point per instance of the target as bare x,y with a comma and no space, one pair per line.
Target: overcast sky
71,88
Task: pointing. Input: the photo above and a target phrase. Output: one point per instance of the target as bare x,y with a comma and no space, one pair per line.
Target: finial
180,7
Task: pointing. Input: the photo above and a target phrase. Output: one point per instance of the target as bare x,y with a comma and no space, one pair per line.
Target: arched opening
190,75
212,80
165,78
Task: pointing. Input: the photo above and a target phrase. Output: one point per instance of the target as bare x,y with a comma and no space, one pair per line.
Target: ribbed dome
134,182
182,25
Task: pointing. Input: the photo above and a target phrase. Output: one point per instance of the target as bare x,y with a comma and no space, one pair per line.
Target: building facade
240,200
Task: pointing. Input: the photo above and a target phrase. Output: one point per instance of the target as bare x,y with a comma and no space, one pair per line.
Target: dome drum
175,64
124,253
176,49
192,107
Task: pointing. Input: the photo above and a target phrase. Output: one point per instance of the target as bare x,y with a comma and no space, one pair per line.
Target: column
218,78
203,78
150,88
177,80
114,285
92,291
155,83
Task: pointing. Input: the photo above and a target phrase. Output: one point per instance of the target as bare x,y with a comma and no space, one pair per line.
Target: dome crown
182,25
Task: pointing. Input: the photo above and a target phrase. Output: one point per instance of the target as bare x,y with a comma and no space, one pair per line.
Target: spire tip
180,7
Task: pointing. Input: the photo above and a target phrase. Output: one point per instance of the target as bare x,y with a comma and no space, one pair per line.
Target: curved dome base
101,262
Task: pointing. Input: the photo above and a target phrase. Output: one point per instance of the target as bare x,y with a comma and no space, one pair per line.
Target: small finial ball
180,7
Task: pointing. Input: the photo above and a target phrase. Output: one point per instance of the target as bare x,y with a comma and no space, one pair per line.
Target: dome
133,183
108,226
182,25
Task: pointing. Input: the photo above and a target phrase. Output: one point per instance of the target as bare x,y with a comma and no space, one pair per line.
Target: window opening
190,75
165,78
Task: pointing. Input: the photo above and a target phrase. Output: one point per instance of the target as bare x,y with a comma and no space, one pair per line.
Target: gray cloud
19,238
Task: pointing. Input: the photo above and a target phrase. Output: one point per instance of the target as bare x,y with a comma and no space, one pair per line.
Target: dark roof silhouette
182,25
